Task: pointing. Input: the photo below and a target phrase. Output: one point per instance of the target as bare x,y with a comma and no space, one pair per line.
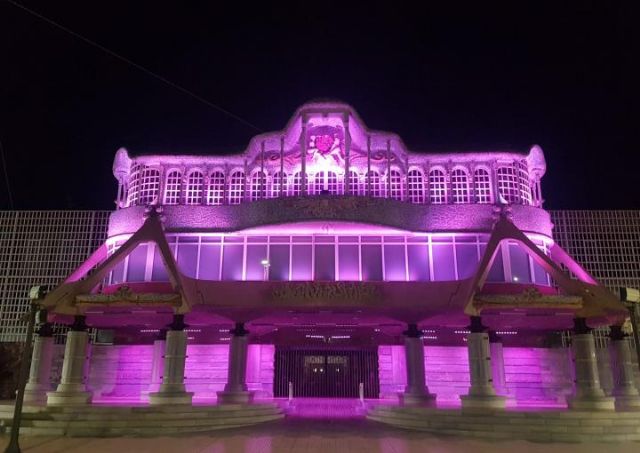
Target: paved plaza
305,435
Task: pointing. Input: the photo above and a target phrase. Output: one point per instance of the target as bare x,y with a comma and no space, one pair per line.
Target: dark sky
454,77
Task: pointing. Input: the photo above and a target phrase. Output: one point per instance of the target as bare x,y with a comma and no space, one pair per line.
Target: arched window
373,180
258,183
331,183
460,186
318,183
236,187
395,185
354,183
172,187
416,186
215,190
149,186
437,187
524,183
133,193
296,185
278,180
508,186
194,187
482,185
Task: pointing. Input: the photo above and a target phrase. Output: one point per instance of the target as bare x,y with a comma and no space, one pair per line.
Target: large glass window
395,185
215,190
373,181
520,270
236,187
172,187
418,260
301,263
149,186
416,186
188,256
279,262
135,177
482,182
443,262
209,268
279,183
258,185
349,262
348,257
325,262
296,185
459,186
437,187
232,261
354,183
394,262
371,262
194,187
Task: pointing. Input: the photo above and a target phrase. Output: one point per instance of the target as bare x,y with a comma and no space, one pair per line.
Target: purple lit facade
328,255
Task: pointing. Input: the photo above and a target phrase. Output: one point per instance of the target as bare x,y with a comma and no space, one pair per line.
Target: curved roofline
336,113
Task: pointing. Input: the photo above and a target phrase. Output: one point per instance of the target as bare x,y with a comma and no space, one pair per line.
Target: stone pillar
497,364
416,391
72,388
172,389
625,391
39,382
157,363
235,390
588,394
482,393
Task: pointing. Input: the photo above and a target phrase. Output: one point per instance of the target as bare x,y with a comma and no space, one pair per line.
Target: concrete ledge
108,421
166,398
597,403
407,399
68,398
535,426
483,402
627,403
225,397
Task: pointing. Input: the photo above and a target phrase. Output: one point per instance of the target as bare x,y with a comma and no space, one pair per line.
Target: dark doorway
326,372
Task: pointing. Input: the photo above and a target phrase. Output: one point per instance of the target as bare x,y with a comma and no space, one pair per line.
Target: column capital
412,331
580,326
177,323
79,323
476,325
239,330
616,333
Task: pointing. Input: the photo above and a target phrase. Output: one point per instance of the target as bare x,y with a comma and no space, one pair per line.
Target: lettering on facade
318,292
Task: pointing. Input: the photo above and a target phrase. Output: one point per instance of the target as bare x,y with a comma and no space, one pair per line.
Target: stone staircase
535,426
107,421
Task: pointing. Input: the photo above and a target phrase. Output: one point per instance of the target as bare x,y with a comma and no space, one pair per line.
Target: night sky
445,78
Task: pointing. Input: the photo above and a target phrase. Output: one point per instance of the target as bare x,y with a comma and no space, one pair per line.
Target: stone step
565,426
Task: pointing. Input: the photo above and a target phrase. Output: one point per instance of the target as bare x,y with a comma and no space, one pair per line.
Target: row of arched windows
458,187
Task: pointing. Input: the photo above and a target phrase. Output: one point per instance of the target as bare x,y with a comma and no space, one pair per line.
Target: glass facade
339,257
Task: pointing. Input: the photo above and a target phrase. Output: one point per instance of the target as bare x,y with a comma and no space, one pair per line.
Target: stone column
482,393
72,389
39,382
588,394
235,390
172,389
157,362
416,391
497,364
625,391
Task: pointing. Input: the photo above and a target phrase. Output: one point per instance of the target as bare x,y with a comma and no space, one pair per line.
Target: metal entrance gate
326,372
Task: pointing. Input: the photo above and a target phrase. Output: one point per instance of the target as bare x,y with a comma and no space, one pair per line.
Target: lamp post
632,298
265,264
35,294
